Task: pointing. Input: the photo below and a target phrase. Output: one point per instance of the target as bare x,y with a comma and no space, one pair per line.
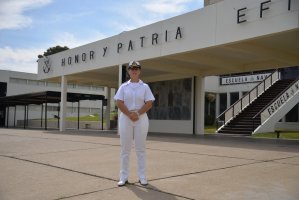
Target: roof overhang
46,97
212,43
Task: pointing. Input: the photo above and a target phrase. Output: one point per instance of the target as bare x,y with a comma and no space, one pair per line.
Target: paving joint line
275,160
202,154
213,155
57,167
208,170
223,168
61,140
88,174
53,152
86,193
130,184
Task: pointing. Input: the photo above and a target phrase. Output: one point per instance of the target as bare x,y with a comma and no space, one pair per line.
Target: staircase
242,123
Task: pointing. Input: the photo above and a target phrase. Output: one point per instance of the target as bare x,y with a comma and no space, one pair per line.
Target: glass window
172,100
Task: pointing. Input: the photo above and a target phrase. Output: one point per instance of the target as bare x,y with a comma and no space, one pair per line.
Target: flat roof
46,97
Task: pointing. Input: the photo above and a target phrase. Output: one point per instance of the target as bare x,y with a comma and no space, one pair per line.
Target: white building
228,37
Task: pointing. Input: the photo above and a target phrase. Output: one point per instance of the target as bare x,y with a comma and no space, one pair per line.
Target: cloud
24,59
19,59
12,12
166,6
132,15
69,39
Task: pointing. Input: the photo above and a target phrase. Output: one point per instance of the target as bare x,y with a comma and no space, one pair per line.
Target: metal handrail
264,108
249,99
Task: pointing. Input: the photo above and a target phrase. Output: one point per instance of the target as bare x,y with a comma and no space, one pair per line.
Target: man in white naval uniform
134,98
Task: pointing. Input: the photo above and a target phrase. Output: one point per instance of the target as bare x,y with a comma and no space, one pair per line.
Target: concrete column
63,103
120,74
108,107
227,100
283,119
120,70
217,109
199,105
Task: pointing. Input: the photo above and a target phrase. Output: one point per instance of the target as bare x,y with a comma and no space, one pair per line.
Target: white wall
212,85
206,27
171,126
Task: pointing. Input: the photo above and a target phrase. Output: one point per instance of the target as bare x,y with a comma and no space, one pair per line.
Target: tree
53,50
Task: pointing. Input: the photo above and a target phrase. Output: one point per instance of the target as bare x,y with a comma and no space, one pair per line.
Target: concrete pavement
38,164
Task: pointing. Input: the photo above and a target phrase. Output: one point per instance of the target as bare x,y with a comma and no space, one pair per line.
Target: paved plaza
50,165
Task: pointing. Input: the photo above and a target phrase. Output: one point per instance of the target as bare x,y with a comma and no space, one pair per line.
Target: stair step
242,123
235,132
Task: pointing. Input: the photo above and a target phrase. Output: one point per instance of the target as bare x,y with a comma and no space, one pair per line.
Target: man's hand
133,116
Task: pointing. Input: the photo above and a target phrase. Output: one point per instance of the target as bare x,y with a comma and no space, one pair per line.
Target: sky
29,27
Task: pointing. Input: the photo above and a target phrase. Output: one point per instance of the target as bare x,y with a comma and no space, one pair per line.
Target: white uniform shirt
134,95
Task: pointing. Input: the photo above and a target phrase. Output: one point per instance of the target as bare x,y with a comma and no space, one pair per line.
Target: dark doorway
234,96
3,90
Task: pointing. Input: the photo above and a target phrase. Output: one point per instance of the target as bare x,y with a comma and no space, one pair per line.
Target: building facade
227,37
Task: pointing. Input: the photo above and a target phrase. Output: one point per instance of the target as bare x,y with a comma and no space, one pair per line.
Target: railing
271,102
247,99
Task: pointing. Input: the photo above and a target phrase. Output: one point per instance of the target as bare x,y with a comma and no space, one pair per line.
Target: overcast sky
29,27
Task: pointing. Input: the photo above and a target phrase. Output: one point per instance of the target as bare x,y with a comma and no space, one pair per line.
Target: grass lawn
93,117
283,135
210,129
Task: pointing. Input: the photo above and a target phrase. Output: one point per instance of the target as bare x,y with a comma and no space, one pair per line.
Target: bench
285,127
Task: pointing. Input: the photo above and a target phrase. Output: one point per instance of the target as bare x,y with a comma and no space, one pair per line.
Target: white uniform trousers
129,131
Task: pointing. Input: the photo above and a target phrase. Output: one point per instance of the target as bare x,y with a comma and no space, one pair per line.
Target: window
172,100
